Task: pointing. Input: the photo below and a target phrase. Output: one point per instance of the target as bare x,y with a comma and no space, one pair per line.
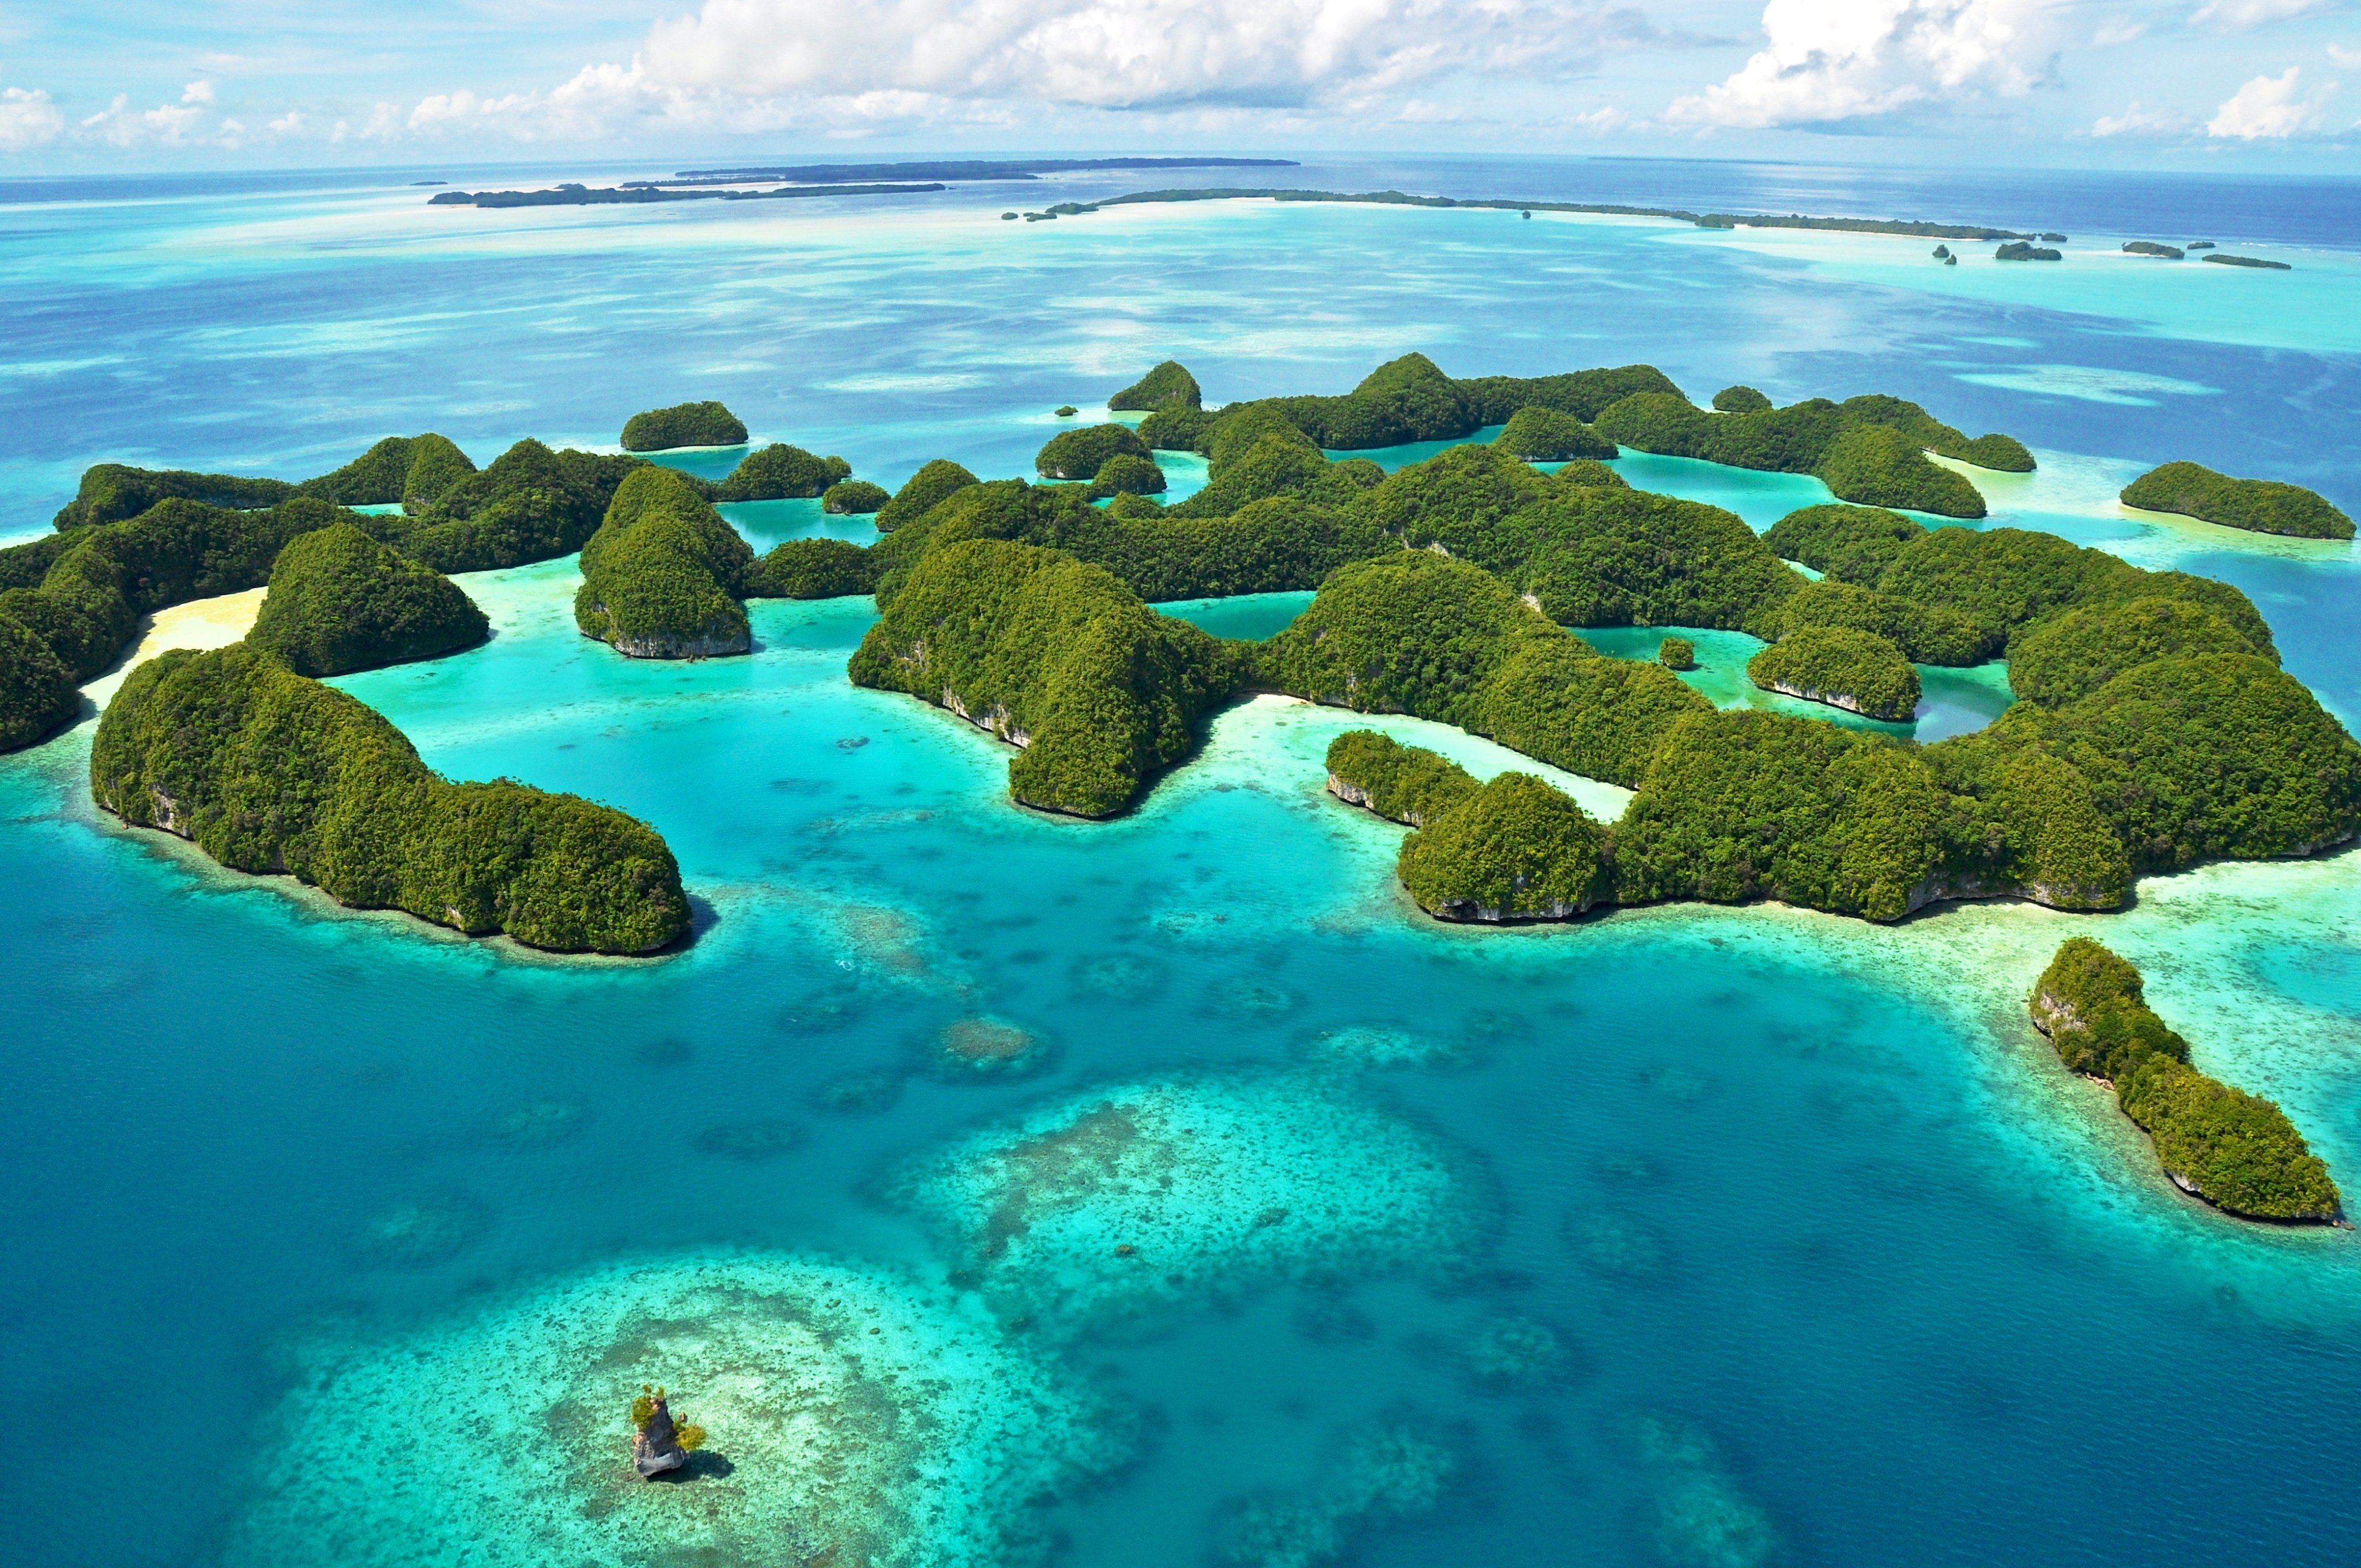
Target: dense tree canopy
2260,506
683,425
269,771
340,601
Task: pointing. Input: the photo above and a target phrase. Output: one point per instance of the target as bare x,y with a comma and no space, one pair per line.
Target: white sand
200,624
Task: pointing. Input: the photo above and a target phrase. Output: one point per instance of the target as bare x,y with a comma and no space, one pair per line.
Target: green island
2022,251
2155,730
1916,227
1676,654
2259,506
1511,850
661,578
922,493
411,471
571,194
111,492
2234,1150
1546,436
1079,453
2226,260
1056,656
340,601
1742,401
683,425
782,473
1870,450
1857,671
271,773
1167,384
2150,247
853,498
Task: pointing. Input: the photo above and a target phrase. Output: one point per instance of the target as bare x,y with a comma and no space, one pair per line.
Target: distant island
1913,226
641,195
2224,259
963,168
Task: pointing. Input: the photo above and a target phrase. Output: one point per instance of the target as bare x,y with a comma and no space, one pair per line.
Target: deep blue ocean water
1769,1238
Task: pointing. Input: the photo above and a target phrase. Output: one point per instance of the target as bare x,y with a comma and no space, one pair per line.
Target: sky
99,85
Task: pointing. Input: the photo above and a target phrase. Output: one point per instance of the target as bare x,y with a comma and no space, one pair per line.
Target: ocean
1167,1190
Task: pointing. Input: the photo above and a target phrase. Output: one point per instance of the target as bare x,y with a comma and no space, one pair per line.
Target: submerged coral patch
1369,1044
1696,1514
984,1046
849,1415
1391,1469
750,1143
426,1232
1124,1201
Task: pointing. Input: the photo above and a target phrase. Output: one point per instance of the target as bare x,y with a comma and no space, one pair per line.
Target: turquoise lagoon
1681,1236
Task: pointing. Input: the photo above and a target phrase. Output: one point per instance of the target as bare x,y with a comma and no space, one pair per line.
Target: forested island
2155,729
1914,227
2258,506
683,425
2234,1150
571,195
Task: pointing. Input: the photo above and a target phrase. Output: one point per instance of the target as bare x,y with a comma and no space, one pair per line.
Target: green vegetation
1283,462
1926,634
1079,454
1402,783
1413,631
415,471
86,608
812,569
2237,1151
1873,466
1511,850
2150,247
113,492
1055,655
1514,849
2023,250
532,504
853,498
37,697
1065,410
340,601
683,425
2066,659
270,771
2226,260
1177,427
2259,506
2205,756
925,489
779,473
1746,804
1854,544
1858,671
1126,474
1544,435
661,577
1167,384
1746,399
1676,654
1869,449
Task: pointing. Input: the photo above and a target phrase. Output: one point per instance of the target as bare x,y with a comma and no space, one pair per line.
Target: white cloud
2237,15
2118,31
291,123
2140,121
2350,59
1827,60
769,64
28,119
119,124
2269,106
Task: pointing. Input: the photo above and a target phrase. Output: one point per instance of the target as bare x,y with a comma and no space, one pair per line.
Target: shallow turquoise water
1678,1236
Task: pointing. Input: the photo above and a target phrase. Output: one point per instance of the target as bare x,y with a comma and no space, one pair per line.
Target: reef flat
1120,1204
851,1415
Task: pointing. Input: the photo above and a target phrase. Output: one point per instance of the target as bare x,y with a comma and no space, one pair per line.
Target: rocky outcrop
655,1447
666,646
